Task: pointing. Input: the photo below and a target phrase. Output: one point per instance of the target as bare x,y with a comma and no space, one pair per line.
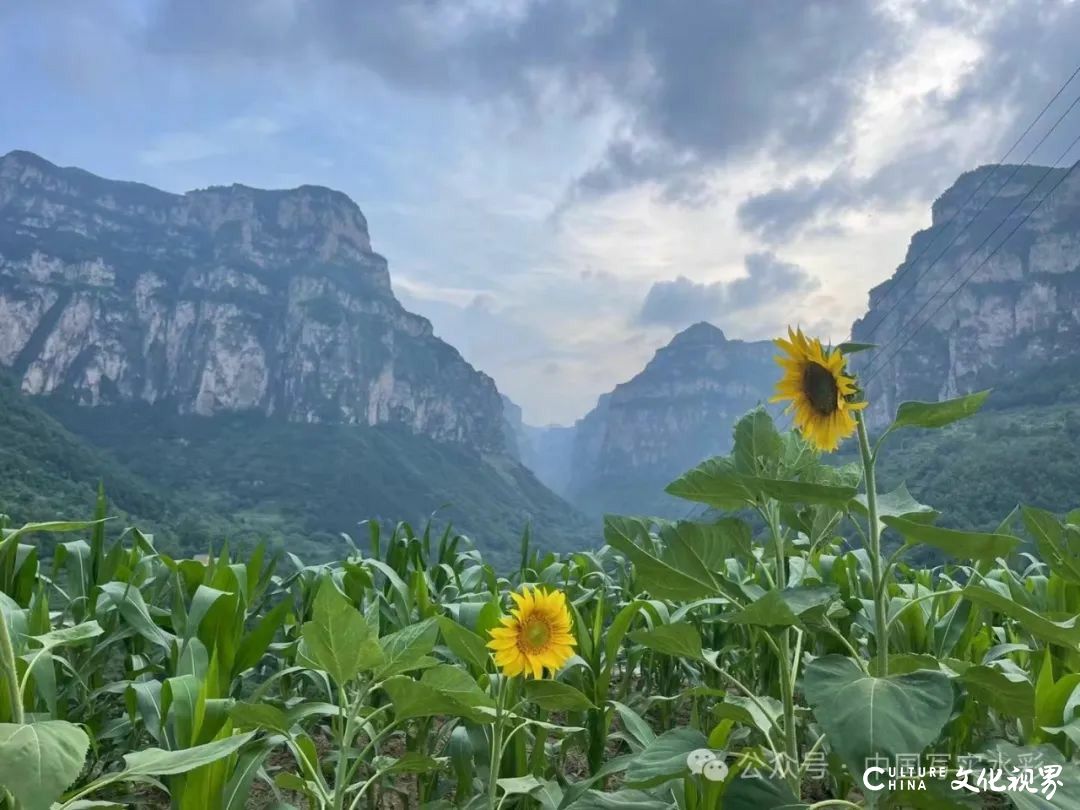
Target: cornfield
778,652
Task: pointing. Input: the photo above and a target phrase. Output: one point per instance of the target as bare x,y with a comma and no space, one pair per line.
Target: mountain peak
700,332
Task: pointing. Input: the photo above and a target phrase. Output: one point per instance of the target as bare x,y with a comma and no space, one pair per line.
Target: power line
1016,169
982,264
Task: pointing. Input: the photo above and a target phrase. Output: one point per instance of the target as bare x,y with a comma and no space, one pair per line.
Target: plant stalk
8,672
881,629
787,685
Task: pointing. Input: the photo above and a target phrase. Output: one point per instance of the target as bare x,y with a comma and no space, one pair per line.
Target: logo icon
707,763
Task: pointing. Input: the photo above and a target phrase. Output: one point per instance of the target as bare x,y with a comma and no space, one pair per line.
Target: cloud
693,84
782,213
683,301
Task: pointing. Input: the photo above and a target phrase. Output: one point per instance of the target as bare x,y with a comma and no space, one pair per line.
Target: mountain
238,355
678,411
223,300
547,450
1018,315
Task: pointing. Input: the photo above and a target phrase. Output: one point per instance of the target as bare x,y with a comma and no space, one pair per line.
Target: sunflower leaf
938,414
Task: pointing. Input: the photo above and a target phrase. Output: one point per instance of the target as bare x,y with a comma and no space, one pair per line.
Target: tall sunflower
819,390
535,636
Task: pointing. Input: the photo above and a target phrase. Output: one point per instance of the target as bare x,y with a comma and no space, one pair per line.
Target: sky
562,185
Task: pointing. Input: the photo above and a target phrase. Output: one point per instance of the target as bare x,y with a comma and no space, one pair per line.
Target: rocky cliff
1018,316
219,300
678,411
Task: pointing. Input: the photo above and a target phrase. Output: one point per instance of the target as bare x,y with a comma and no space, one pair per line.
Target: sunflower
535,636
819,390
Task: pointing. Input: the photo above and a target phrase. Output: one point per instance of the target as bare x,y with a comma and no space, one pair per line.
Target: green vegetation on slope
309,483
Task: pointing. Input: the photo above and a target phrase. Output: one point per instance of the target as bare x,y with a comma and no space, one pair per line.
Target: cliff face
678,411
219,300
1019,313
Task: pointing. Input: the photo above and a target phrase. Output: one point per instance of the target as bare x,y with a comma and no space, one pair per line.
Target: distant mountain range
639,437
155,312
232,362
1014,327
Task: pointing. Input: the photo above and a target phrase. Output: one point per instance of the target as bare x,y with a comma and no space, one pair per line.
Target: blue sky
560,186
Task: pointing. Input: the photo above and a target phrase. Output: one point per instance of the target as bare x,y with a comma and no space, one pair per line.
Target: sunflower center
535,633
819,386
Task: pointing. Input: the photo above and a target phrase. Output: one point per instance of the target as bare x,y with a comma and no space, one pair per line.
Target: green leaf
896,503
69,635
556,696
1058,544
757,444
762,713
464,643
865,716
38,761
1064,633
338,638
442,690
253,645
129,601
964,545
1067,797
1010,693
689,566
622,800
782,608
851,347
679,639
759,793
664,758
158,762
717,483
938,414
407,648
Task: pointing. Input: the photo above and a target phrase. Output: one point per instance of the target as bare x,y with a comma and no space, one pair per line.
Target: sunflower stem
496,742
881,628
787,681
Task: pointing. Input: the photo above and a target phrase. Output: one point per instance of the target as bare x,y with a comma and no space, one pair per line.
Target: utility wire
1016,169
981,264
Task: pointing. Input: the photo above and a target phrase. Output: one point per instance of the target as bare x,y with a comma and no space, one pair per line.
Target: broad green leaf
443,689
938,414
407,648
409,762
338,638
896,503
759,793
664,758
157,762
865,716
556,696
680,639
38,761
1064,633
690,564
782,608
717,483
1011,694
762,713
464,643
961,544
757,444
